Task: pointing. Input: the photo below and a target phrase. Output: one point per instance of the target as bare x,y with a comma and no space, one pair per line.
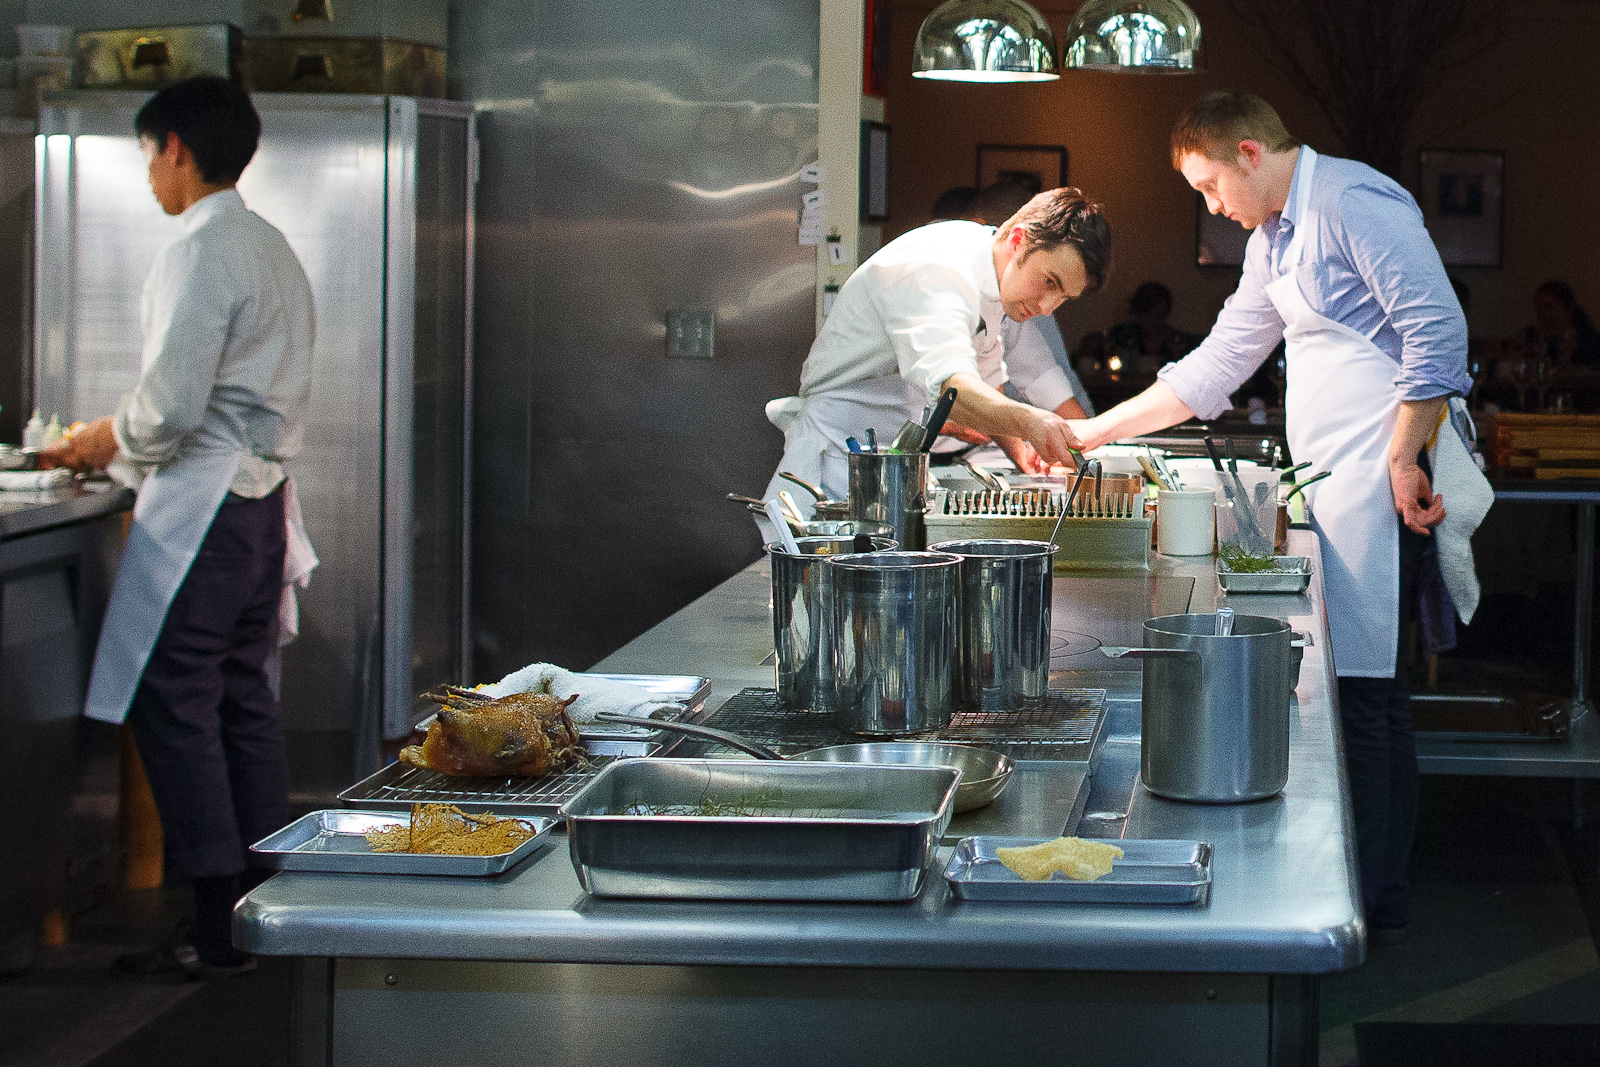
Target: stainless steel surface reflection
892,488
1283,898
894,631
800,625
1003,632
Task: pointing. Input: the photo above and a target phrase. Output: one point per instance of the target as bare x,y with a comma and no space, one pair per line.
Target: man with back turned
186,650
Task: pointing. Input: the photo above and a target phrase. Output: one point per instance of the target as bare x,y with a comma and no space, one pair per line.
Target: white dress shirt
912,309
1036,360
228,328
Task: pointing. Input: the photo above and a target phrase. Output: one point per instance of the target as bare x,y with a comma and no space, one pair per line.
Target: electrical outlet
691,333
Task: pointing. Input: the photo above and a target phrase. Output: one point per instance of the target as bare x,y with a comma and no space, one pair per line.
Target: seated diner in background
1141,344
1554,366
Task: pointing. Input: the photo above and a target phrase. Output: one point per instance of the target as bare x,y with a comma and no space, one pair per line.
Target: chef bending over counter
1341,268
925,313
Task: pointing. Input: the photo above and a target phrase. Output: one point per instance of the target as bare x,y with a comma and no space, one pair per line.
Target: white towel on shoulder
595,694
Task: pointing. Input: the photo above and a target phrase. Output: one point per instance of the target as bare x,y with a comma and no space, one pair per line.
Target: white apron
1341,409
171,516
815,427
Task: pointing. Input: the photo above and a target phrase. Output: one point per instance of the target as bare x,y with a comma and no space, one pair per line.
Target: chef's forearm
1154,409
1414,424
983,407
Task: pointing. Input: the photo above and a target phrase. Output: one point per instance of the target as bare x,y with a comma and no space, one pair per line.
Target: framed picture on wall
874,172
1463,204
1218,240
1035,167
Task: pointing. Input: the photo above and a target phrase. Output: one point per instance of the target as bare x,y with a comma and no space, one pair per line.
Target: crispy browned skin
522,734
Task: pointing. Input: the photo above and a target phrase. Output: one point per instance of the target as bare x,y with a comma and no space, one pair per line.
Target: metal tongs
1256,542
1066,505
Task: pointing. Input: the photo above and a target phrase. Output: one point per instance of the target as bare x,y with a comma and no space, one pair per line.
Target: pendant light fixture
1138,36
985,41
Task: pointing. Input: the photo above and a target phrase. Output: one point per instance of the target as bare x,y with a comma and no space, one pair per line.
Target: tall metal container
894,641
801,627
892,487
375,196
1214,707
1003,608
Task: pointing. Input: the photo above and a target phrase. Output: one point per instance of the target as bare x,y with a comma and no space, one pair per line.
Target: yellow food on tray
446,830
1078,859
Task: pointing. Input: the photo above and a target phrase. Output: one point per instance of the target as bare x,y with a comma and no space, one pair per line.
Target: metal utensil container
800,627
894,641
891,487
782,831
1003,627
1215,710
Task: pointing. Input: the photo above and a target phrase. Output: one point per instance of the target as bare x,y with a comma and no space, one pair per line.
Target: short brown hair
1215,124
1066,217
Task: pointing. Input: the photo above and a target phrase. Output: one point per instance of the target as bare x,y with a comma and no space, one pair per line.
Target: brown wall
1526,98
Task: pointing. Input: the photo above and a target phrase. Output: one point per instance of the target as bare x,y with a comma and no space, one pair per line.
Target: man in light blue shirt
1341,268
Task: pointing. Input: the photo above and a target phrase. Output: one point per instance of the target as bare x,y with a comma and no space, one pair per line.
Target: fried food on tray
1078,859
446,830
521,734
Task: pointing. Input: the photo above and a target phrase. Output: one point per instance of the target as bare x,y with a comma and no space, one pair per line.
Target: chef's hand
964,433
1023,455
1419,507
1050,435
90,449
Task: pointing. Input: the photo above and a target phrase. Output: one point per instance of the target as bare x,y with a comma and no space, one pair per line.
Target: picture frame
1035,167
874,171
1218,240
1462,196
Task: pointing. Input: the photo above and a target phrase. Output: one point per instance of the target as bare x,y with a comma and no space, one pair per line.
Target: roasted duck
475,736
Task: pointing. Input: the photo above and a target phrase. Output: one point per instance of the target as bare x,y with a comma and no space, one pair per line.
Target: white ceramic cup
1185,522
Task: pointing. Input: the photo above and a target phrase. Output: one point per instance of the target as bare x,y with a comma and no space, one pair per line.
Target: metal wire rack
400,785
1066,726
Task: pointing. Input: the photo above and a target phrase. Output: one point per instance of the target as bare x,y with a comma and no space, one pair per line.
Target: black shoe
177,958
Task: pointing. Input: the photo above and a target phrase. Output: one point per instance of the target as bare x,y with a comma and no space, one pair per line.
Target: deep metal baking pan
1292,576
334,840
802,831
1150,872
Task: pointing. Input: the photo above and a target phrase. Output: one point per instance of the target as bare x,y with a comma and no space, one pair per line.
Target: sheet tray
1150,872
333,840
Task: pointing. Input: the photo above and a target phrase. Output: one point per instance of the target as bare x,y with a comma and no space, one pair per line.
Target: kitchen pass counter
1282,905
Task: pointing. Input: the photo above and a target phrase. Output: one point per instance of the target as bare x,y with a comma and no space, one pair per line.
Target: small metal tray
1292,576
613,739
334,840
838,831
1150,872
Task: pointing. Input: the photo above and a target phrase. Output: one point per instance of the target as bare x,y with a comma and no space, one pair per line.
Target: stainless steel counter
32,511
1282,900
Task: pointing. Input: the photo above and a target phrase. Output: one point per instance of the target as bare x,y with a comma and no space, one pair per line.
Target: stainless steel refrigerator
375,194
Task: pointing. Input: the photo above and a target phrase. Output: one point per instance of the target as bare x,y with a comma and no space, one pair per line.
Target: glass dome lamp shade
1140,36
985,41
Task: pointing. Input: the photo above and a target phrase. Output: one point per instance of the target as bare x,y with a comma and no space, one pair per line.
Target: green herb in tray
1241,562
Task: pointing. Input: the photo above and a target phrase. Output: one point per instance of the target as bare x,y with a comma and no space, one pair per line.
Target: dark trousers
1381,757
205,716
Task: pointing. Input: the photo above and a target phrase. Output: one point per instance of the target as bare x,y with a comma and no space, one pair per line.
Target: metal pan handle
1118,652
759,751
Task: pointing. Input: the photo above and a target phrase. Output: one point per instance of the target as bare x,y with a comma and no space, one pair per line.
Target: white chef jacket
228,327
912,309
1035,360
